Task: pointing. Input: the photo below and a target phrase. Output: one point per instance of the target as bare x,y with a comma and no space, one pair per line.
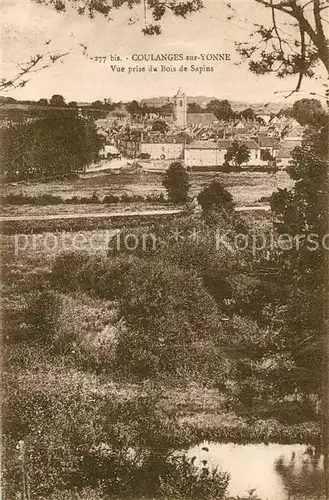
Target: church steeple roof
180,93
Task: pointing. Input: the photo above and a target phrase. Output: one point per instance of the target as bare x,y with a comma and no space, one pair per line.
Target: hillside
261,107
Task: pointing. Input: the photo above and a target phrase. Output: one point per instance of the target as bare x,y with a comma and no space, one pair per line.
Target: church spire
180,109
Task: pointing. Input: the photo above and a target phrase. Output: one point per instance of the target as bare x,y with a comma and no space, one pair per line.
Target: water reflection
278,472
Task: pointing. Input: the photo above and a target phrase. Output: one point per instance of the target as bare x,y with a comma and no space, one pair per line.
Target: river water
277,472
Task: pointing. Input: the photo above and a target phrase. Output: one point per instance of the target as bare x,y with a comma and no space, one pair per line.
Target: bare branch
35,64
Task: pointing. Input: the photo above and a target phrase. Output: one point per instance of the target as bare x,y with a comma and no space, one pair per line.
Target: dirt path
116,214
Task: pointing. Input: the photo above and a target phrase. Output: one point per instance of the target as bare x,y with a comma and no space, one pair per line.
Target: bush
50,199
66,270
176,183
168,316
78,436
104,276
110,199
215,197
42,314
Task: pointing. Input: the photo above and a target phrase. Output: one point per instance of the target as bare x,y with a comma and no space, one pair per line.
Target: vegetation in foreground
186,311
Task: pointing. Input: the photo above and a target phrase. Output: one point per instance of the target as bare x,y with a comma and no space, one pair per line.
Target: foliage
43,102
66,269
221,109
100,275
160,126
157,9
194,107
248,113
276,46
170,319
176,183
237,153
42,314
50,199
300,215
57,100
215,198
57,145
79,437
308,111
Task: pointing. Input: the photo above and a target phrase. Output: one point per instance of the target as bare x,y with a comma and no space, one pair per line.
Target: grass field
246,187
30,210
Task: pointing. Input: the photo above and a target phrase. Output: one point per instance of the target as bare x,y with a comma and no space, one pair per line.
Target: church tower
180,109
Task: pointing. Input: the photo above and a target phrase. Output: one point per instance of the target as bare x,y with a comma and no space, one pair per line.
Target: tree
194,107
160,126
215,198
308,111
302,213
43,102
57,101
176,183
97,104
221,109
238,153
278,47
248,114
134,108
60,144
284,112
72,104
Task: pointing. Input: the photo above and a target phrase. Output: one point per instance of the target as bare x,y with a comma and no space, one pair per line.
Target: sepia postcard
164,249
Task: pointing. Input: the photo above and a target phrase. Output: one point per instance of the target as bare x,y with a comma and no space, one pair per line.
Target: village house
253,147
202,120
269,147
202,154
109,152
284,157
162,150
212,153
200,138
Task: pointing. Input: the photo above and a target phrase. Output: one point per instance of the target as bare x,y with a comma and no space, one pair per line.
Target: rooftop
202,145
226,143
268,142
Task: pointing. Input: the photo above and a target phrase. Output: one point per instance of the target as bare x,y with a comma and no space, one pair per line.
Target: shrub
50,199
43,310
176,183
66,270
104,276
168,313
110,199
79,436
215,197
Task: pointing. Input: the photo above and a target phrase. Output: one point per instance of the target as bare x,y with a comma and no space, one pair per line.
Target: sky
27,26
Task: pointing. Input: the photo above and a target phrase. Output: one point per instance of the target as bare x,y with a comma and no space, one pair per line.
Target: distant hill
8,110
19,111
261,107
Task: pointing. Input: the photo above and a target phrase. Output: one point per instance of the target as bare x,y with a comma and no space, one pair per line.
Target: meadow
246,187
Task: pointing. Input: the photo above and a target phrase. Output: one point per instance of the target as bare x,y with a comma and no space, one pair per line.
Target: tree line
59,144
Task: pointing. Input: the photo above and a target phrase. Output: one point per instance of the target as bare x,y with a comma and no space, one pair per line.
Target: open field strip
91,215
117,214
246,187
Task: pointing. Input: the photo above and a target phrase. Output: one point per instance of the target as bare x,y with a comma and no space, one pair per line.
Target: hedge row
50,199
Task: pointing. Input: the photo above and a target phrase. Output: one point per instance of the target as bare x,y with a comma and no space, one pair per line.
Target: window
181,103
